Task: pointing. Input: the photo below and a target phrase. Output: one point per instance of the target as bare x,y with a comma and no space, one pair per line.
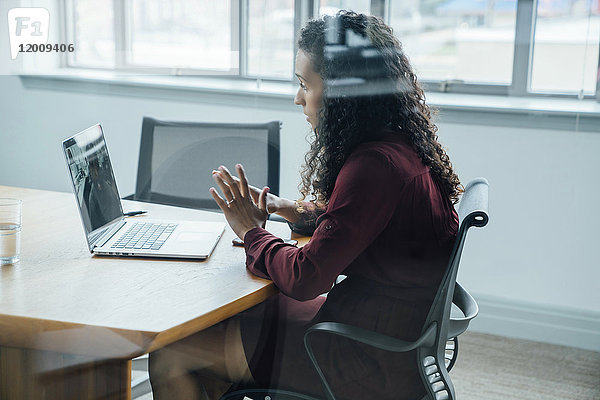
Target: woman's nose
299,99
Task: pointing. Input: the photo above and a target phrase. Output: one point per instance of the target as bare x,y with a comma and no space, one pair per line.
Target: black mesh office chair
176,159
437,348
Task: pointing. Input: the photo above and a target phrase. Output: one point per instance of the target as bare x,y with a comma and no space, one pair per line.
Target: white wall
36,121
542,242
540,250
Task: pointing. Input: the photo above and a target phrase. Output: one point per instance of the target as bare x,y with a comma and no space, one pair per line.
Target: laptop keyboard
96,235
145,236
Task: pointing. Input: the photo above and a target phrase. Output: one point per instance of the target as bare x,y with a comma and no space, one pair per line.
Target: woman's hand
285,208
238,205
274,203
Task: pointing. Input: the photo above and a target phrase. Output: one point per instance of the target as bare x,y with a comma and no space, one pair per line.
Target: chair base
266,394
272,394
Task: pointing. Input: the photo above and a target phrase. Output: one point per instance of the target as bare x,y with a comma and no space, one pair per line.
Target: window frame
522,62
307,9
123,39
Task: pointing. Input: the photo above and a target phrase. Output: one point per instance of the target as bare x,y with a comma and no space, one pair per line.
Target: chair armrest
371,338
473,207
469,308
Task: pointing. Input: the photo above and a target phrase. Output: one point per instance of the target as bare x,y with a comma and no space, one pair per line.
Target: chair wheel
451,353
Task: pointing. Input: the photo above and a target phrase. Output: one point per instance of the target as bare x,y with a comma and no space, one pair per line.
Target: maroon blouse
390,228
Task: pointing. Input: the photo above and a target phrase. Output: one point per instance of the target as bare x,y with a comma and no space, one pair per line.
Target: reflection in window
565,54
469,40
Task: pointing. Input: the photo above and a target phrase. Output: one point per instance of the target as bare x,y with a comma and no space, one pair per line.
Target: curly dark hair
347,120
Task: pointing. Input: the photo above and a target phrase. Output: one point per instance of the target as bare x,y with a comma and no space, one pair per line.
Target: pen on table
133,213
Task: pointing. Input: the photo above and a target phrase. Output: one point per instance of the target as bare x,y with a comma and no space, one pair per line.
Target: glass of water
10,231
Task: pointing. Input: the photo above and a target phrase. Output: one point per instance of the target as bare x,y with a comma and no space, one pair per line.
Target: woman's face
311,88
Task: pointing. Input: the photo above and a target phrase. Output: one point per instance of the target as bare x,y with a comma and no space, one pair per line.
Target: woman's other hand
242,212
274,203
283,207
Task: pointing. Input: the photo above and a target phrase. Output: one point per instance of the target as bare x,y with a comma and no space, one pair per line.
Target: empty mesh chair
437,348
176,159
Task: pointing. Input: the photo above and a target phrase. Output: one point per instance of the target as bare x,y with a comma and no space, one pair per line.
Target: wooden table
70,322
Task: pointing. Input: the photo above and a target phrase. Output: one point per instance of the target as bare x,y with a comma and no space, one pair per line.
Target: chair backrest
176,159
472,211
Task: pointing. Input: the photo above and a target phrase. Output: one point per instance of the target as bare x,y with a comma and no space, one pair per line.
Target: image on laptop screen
93,179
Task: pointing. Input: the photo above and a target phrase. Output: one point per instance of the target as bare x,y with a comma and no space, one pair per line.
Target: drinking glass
10,231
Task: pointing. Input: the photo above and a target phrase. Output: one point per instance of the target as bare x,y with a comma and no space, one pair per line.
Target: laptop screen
93,180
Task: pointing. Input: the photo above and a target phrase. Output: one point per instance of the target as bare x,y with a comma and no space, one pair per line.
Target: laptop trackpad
195,237
191,242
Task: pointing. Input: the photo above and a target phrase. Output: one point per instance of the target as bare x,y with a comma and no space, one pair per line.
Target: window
330,7
461,40
156,35
566,39
180,34
92,30
513,47
271,38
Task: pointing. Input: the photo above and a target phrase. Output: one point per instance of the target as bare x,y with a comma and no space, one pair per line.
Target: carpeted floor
498,368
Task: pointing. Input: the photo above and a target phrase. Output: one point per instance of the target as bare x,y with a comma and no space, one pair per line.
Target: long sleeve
360,207
308,219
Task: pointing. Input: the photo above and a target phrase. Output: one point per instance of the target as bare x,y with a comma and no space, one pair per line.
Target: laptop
107,230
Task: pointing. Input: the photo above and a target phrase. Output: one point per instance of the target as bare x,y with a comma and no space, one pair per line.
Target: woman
382,213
